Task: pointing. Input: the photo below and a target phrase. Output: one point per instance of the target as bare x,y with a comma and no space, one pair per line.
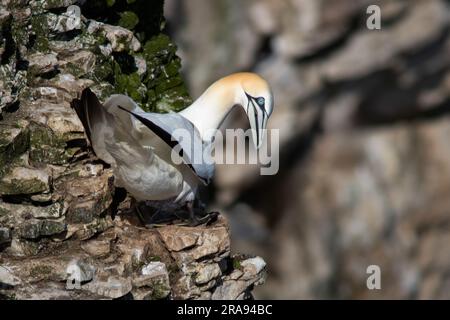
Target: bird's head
256,97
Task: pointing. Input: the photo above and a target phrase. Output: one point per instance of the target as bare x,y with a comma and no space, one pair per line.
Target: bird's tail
88,109
95,121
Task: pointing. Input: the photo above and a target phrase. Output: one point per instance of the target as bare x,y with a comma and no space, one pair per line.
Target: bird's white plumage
139,145
141,160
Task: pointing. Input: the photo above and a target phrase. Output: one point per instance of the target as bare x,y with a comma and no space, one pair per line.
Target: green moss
128,20
154,259
82,215
236,263
40,28
167,84
160,290
30,229
47,147
131,85
158,46
166,90
172,269
101,72
22,186
50,227
74,69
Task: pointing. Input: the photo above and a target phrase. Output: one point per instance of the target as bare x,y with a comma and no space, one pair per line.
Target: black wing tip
85,107
77,103
88,95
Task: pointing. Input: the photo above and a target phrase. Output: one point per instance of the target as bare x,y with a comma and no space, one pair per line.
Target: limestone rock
207,273
7,277
153,283
229,290
120,38
190,245
41,63
178,238
252,267
97,247
112,287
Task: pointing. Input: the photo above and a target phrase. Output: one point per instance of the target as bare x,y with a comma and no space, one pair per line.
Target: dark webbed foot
207,219
189,215
151,216
198,215
159,218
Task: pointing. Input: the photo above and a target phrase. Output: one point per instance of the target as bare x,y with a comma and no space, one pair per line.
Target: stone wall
62,221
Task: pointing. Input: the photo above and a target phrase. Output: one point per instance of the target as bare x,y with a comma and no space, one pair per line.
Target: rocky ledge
127,261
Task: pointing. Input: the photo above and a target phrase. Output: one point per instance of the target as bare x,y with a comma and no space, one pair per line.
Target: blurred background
365,140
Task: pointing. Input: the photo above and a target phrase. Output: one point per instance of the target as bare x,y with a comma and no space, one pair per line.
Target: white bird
138,145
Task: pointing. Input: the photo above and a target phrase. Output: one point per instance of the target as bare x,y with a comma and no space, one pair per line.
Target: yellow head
253,93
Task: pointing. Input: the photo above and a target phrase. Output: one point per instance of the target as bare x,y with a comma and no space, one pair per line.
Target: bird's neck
212,107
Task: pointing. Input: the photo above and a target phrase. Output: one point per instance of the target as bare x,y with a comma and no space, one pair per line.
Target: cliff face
63,225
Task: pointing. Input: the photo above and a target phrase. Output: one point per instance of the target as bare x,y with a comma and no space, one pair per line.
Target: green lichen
166,90
30,229
47,147
74,69
172,269
34,229
128,20
160,290
39,26
131,85
236,264
22,186
50,227
154,259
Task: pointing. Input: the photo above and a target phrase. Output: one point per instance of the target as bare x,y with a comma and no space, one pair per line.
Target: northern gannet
138,144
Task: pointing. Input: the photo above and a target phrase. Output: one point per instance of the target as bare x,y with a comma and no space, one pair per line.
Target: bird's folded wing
114,139
96,122
181,135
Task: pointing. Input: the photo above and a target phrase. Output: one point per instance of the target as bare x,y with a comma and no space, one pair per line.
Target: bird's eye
260,101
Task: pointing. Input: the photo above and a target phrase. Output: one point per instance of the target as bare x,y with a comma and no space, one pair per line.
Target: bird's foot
159,219
206,219
191,217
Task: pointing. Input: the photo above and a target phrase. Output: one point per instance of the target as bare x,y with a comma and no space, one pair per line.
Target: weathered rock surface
66,232
133,261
